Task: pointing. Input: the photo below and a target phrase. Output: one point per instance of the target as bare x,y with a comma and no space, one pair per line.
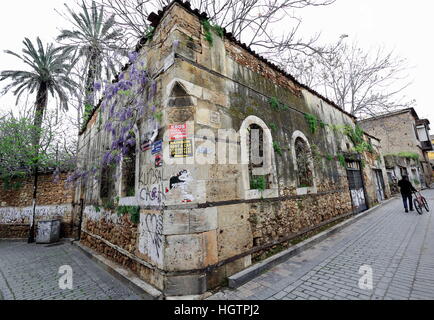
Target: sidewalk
31,272
398,246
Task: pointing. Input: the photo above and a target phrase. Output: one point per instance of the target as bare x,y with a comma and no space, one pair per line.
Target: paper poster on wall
150,136
158,161
181,148
178,131
157,147
146,146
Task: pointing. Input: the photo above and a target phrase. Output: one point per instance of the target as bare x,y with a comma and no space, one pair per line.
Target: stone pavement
31,272
398,246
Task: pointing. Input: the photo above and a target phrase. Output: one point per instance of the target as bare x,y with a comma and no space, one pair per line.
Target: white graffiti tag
151,237
23,215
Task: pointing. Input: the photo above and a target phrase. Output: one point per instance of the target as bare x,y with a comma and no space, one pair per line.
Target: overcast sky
402,25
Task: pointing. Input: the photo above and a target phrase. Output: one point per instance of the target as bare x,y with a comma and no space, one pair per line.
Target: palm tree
49,74
93,38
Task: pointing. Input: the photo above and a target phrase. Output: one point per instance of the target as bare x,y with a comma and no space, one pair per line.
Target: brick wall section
49,193
123,235
17,231
271,222
246,59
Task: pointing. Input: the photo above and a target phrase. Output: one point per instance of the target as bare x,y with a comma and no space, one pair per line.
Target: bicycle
420,202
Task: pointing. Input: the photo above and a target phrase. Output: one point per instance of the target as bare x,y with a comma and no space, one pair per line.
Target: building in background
405,142
431,154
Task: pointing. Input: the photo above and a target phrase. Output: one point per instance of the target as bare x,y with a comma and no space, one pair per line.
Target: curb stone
146,291
250,273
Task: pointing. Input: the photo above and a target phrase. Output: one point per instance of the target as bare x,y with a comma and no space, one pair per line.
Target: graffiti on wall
152,194
358,197
151,237
13,215
93,214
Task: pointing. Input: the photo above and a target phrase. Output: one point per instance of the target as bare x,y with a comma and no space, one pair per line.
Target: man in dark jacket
406,192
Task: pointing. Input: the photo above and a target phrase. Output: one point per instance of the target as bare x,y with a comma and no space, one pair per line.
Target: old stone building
405,143
431,153
207,205
54,201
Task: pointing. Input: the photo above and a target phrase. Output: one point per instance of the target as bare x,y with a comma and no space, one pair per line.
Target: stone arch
268,165
179,97
298,138
127,179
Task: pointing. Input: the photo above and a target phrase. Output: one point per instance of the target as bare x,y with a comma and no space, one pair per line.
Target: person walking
406,192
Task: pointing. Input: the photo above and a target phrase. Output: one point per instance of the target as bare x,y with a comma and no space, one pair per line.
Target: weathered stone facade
203,221
399,133
375,173
54,200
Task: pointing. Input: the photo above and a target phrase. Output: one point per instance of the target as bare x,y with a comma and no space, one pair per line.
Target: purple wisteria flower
132,56
108,126
152,90
118,158
140,110
97,86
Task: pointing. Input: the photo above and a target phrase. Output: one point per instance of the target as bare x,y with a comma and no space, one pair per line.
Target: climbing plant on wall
355,134
208,27
132,211
125,101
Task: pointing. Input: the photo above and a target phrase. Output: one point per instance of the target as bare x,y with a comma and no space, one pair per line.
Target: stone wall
54,200
397,133
200,218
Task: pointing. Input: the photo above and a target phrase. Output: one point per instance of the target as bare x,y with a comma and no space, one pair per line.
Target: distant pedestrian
406,192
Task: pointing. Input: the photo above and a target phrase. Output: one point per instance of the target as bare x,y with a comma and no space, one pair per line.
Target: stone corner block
185,285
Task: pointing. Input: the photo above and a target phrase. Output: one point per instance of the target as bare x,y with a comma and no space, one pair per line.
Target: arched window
129,169
258,159
128,172
304,164
303,161
107,185
179,97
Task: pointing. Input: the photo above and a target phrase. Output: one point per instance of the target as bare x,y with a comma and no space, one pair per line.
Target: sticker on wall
150,136
146,145
215,118
158,161
181,148
157,147
181,184
178,132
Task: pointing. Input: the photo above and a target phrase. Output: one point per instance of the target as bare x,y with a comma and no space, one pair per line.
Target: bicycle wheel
425,204
417,206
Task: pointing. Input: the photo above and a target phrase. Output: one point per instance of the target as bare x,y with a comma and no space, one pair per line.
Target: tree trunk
90,77
40,106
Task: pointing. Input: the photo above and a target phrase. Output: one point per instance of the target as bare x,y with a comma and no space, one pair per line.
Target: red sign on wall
178,131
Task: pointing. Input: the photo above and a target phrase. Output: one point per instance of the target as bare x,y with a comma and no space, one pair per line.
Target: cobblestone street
398,246
31,272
